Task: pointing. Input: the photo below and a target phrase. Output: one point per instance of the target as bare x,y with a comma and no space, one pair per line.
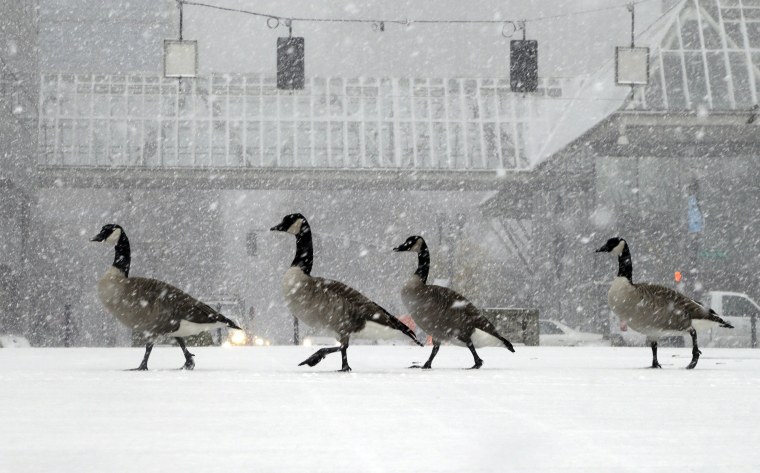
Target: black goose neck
122,256
423,263
304,250
625,266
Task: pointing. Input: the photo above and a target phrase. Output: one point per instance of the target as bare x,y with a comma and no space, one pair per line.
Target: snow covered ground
252,409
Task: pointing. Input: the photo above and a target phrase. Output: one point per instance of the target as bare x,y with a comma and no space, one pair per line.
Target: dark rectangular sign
523,65
290,63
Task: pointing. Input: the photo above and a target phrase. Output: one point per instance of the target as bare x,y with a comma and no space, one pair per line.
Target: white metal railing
228,120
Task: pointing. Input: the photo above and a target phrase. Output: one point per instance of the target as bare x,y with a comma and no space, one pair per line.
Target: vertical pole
296,335
753,325
632,9
67,329
216,338
179,88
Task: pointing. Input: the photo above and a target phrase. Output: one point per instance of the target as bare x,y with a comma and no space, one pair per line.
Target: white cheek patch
417,246
618,250
113,238
295,228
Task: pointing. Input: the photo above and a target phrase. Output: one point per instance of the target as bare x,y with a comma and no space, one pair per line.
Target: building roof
708,60
704,56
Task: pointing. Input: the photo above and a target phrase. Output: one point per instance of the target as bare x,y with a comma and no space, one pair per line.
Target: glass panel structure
709,58
233,121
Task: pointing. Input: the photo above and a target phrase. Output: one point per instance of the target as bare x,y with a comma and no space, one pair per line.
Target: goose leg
318,356
429,363
694,350
478,361
343,354
189,363
144,365
655,363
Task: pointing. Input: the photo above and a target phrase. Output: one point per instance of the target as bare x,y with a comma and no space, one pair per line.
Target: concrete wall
19,73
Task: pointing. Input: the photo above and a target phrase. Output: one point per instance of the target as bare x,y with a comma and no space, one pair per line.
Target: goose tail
714,317
231,324
506,343
485,325
384,317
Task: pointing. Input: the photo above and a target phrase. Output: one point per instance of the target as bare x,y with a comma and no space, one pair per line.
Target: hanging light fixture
523,64
631,66
631,63
180,56
290,61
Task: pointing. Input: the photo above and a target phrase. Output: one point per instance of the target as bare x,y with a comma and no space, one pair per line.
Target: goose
441,312
651,309
150,306
325,303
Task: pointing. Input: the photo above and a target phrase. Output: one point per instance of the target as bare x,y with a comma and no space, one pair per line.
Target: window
388,146
674,76
253,143
337,147
287,145
735,306
717,67
695,74
740,76
690,34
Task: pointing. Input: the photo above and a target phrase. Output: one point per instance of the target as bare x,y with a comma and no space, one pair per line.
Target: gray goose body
330,304
652,309
150,306
442,313
325,303
154,307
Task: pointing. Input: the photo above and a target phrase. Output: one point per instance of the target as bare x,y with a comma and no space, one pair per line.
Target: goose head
615,245
110,233
413,243
295,224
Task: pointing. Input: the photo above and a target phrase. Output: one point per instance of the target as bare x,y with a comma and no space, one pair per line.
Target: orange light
677,276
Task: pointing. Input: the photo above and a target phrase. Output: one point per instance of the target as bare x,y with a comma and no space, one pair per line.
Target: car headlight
238,337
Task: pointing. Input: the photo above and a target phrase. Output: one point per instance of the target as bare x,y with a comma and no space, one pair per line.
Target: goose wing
170,304
361,308
673,308
456,311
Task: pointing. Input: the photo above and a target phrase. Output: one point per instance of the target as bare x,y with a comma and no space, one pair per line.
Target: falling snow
415,118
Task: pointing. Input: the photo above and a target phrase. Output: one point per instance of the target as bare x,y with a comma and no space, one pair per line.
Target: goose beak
277,228
97,238
397,249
